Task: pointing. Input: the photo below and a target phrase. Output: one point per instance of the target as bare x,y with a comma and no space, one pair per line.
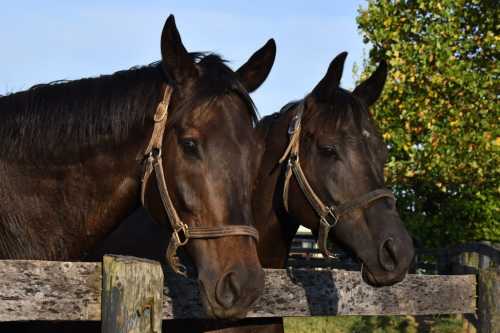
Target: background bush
439,113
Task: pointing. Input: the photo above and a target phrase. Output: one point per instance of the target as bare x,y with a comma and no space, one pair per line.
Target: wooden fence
132,295
471,258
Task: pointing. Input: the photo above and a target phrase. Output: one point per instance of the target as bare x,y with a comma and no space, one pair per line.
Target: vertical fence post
488,302
131,295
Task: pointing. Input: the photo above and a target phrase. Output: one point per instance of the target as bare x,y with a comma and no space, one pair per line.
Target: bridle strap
181,232
329,215
293,168
230,230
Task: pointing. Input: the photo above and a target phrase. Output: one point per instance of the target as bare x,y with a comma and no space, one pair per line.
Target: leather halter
181,232
329,216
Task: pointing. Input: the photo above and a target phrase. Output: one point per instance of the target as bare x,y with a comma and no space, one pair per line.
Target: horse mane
61,119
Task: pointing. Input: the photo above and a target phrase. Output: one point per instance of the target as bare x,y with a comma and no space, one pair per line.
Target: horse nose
387,255
228,290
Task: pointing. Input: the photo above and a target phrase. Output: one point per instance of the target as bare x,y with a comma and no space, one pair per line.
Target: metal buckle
330,211
161,112
181,234
155,153
294,124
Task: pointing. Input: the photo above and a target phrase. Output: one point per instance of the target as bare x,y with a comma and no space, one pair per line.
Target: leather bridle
329,216
181,232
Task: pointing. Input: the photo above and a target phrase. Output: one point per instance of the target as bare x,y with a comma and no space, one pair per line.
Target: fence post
488,302
132,290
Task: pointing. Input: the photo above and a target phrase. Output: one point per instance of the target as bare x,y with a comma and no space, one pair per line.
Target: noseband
329,216
181,232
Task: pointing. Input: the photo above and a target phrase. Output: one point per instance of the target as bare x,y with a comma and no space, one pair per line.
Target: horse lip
206,301
368,277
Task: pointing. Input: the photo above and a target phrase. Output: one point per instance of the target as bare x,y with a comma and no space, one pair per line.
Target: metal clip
294,124
330,211
161,112
292,159
181,234
155,153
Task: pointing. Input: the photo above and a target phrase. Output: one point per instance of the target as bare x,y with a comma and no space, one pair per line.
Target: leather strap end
286,186
148,169
172,258
324,230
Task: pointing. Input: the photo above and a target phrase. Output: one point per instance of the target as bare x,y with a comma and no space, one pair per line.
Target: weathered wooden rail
479,258
122,291
44,290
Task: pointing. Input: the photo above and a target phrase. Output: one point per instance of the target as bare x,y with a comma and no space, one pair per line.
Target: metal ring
155,152
184,228
331,212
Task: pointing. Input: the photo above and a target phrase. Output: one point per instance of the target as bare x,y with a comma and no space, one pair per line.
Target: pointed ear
325,89
177,63
253,73
369,90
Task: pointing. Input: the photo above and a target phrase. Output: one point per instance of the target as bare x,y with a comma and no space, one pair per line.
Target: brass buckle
294,124
181,234
330,211
161,112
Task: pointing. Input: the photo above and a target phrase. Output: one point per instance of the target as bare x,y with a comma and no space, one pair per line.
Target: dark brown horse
342,156
71,162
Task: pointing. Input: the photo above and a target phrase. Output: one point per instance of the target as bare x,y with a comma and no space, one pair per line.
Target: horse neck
60,211
275,227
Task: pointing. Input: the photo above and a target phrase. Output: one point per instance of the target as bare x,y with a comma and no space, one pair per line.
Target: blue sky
50,40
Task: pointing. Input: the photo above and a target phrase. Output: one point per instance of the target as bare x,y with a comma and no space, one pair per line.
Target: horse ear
177,63
253,73
369,90
325,89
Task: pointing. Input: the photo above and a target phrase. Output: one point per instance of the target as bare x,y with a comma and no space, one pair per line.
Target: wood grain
132,292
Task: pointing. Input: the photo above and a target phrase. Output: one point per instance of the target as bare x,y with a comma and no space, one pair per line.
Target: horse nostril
387,255
227,290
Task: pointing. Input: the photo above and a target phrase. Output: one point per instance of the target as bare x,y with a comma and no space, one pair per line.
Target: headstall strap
181,232
329,216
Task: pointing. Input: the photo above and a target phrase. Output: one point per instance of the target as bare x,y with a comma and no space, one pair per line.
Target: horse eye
328,150
190,146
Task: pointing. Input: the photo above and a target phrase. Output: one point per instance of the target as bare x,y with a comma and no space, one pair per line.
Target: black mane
66,117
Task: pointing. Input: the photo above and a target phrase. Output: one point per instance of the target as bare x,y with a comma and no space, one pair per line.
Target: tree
439,113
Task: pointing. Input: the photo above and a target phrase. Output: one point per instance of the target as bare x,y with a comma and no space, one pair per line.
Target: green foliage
374,324
351,324
439,113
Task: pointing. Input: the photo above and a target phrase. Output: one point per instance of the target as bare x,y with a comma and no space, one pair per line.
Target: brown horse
342,157
329,141
72,156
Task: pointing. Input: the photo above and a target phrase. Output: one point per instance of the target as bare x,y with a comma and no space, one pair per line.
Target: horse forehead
224,110
214,126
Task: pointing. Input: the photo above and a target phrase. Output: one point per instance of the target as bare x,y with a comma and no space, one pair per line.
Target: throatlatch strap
155,143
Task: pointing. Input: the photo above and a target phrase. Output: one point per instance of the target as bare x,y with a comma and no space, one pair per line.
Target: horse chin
381,280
